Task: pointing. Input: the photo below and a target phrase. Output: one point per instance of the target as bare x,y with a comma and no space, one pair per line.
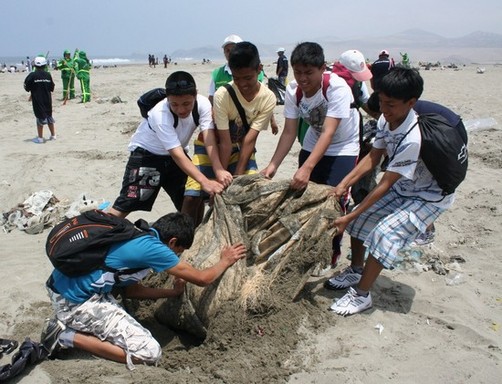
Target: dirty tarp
287,234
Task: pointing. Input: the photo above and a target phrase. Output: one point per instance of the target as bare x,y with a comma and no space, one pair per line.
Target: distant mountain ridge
420,45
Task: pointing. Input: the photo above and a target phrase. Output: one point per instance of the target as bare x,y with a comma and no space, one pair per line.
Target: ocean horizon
18,61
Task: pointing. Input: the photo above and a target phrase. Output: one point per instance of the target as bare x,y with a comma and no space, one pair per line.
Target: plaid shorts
391,224
102,317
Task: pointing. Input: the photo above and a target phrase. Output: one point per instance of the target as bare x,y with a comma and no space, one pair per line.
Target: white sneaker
352,303
345,279
38,140
53,137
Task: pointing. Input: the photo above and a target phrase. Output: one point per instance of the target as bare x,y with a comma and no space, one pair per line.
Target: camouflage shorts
102,317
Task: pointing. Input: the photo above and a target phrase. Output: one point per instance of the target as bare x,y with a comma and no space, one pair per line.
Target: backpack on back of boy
149,99
79,245
443,150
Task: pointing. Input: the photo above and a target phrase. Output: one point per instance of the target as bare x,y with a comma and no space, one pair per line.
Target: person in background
40,84
82,70
66,66
281,70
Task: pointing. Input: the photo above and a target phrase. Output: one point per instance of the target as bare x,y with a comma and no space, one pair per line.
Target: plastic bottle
480,124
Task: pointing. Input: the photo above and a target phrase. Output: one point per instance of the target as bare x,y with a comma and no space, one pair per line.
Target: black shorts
144,175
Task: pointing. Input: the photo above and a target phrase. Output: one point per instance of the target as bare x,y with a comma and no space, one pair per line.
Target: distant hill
475,47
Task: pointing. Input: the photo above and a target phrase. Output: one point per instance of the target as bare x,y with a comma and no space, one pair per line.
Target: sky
118,28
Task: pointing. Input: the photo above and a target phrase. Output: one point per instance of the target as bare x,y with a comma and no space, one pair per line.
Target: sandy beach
424,325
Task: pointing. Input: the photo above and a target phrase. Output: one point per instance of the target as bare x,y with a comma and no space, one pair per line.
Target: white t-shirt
314,109
158,135
405,159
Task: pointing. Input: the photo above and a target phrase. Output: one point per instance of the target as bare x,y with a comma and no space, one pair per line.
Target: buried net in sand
287,234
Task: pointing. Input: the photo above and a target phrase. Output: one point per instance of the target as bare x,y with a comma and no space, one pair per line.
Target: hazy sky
122,27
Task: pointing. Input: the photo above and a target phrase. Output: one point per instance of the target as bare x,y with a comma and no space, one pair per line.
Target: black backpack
150,99
443,150
79,245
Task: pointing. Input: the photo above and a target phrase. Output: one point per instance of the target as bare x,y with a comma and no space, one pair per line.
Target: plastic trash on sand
474,125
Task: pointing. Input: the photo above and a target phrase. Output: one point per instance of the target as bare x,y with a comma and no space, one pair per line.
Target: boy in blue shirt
404,203
88,317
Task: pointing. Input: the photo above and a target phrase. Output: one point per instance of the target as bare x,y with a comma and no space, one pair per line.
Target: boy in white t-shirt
159,149
406,200
331,145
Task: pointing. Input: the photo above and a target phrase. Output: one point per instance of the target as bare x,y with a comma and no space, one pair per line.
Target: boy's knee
149,352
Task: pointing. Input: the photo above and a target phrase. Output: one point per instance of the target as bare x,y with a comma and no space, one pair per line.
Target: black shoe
49,337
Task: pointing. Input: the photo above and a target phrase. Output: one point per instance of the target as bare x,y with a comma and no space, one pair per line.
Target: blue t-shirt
146,252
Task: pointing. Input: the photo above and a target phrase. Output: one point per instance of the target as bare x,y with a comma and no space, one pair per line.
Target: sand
419,328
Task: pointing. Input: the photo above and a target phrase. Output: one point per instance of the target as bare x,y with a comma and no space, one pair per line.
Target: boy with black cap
159,149
41,86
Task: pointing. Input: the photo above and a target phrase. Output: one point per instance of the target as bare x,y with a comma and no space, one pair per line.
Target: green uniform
222,77
66,66
82,69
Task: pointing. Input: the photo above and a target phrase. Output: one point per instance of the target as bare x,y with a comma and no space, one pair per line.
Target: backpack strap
195,115
325,84
400,141
238,105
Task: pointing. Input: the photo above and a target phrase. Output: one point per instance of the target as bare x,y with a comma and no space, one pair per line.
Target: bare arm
210,186
228,257
288,137
367,163
225,147
139,291
387,181
222,175
302,175
246,151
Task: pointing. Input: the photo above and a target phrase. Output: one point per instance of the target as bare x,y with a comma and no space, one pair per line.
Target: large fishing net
287,233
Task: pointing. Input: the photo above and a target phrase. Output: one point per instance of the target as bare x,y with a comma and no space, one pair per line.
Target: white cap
40,61
280,49
231,39
354,61
383,52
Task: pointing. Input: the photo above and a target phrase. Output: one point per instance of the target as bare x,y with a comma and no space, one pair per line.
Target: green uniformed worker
82,69
66,66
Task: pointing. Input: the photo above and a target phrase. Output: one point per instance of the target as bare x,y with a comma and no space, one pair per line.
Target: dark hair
178,225
244,55
308,53
180,83
402,83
